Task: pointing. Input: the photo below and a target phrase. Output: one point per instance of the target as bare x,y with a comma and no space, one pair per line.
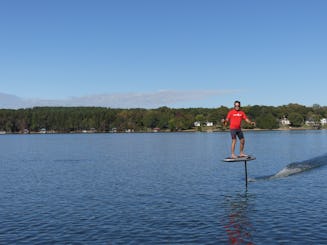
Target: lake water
163,188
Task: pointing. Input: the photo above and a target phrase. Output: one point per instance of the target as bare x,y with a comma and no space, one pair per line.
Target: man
235,118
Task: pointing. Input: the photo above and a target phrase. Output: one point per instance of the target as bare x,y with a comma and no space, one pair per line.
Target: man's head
237,105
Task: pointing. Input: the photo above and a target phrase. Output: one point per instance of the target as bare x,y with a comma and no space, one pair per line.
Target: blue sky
151,53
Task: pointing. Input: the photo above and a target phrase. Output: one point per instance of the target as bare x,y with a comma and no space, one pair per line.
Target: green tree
200,118
296,119
267,121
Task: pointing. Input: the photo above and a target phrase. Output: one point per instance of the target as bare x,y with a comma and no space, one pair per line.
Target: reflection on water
238,225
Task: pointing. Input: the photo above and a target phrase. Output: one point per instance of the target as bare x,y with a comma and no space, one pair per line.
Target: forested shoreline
100,119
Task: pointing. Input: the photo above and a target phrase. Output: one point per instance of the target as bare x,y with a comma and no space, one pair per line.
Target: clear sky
151,53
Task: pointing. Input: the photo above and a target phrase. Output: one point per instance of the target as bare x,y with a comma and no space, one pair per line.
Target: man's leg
242,143
233,148
233,134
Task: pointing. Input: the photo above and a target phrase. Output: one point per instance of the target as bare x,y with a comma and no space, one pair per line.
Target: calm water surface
158,188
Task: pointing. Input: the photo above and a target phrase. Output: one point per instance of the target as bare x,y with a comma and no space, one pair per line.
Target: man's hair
236,101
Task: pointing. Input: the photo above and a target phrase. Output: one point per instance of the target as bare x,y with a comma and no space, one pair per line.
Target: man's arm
224,122
250,122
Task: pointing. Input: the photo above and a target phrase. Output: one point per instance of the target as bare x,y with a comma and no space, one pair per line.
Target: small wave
296,168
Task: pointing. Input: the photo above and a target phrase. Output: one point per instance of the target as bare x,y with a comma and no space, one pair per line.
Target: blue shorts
238,132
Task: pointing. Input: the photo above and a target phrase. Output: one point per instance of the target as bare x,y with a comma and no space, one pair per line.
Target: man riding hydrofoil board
235,118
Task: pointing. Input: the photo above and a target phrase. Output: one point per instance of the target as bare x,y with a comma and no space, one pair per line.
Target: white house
309,122
285,122
197,124
323,121
43,131
209,124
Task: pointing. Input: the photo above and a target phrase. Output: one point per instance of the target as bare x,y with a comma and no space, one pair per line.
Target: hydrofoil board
239,159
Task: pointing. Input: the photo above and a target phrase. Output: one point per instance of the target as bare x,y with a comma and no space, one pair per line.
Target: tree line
100,119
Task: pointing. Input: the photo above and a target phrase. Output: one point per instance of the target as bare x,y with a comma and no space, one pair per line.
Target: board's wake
295,168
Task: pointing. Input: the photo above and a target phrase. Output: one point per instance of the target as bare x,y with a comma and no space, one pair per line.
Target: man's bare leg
242,143
233,148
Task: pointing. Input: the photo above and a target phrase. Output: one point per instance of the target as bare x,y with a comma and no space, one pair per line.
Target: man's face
237,106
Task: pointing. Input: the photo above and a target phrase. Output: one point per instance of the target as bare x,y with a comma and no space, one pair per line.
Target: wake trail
295,168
